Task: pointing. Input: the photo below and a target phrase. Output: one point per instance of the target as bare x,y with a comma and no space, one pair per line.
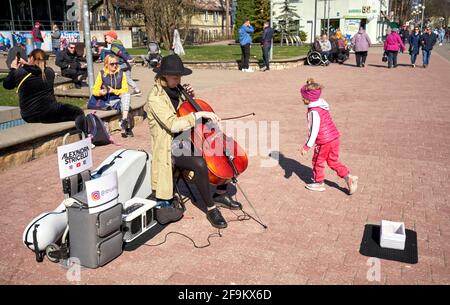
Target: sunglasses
71,48
113,63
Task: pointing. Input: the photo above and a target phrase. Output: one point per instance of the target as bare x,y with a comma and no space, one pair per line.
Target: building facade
209,22
347,15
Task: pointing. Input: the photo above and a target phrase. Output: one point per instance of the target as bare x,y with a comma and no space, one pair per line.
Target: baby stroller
153,58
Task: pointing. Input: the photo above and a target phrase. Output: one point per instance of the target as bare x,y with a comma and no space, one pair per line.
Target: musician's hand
103,91
207,115
189,89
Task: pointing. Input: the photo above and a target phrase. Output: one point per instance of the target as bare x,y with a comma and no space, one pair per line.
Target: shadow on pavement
292,166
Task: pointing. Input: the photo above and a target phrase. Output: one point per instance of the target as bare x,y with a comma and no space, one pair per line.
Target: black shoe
129,133
225,201
78,85
216,219
124,128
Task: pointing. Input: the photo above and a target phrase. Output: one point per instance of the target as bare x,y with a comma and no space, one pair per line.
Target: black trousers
360,58
56,113
392,58
266,55
74,73
198,166
245,58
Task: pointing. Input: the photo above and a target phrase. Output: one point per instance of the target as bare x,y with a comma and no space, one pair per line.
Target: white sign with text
74,158
102,193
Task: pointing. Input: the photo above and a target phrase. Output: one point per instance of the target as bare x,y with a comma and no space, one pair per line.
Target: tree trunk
227,19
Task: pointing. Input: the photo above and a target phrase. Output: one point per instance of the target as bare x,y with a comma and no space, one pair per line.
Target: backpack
94,127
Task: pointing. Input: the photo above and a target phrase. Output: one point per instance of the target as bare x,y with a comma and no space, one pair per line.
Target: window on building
216,17
206,16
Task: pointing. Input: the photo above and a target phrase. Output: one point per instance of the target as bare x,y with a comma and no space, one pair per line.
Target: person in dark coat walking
414,45
427,41
266,44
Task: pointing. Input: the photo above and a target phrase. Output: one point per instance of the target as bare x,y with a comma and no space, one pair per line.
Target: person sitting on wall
34,82
71,65
18,51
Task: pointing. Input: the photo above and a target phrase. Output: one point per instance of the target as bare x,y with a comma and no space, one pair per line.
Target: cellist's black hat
172,65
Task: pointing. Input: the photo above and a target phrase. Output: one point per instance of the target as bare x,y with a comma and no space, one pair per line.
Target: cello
224,157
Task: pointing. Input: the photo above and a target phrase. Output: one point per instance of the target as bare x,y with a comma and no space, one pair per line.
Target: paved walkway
394,126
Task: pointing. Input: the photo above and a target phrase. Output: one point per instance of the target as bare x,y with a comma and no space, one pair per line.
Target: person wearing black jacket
427,41
36,96
71,66
266,45
17,50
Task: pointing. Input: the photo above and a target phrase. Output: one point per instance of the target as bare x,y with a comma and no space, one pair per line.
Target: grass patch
230,52
11,98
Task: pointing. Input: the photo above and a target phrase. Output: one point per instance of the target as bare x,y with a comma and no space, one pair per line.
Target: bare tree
159,15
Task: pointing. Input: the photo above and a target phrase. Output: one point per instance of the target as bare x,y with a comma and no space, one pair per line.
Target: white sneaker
244,70
318,187
250,70
352,183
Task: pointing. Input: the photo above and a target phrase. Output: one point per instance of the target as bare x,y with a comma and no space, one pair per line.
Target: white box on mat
392,235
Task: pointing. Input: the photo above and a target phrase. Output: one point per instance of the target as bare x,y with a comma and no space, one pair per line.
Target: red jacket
37,35
322,129
393,42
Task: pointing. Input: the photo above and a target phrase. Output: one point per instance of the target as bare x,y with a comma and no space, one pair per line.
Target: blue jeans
413,58
426,57
37,45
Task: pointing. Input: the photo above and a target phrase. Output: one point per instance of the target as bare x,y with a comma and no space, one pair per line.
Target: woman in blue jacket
414,45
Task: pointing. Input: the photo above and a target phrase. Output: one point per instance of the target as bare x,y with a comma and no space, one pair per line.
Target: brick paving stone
312,238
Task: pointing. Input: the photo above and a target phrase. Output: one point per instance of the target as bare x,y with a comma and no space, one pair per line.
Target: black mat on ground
370,246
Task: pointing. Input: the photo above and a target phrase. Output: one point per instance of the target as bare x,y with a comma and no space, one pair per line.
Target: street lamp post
271,25
87,43
315,18
423,14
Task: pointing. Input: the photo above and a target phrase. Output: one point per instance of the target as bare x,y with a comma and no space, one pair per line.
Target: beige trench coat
163,123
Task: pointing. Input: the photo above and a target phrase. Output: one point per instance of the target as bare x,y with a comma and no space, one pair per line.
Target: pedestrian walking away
392,45
361,44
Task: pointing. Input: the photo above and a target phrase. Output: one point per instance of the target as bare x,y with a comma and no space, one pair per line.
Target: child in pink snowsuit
324,135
